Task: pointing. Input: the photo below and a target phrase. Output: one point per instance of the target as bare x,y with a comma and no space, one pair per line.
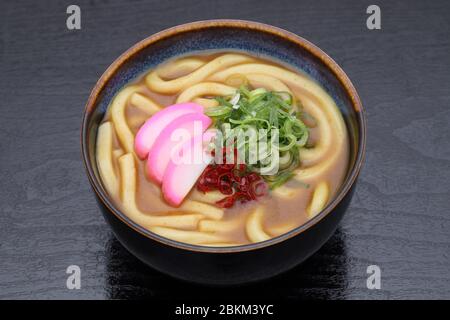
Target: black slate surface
399,218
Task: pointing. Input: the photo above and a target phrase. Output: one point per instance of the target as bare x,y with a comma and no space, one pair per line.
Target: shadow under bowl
241,264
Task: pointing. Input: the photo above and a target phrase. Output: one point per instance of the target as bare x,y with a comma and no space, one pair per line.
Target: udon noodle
200,78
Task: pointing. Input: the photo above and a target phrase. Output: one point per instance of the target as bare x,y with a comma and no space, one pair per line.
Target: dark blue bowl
247,263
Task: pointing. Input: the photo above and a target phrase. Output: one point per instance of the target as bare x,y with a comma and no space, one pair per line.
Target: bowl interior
272,43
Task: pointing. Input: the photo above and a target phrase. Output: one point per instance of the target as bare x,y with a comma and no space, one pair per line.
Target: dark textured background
399,218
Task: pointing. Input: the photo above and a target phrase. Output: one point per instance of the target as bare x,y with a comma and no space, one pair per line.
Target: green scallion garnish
262,109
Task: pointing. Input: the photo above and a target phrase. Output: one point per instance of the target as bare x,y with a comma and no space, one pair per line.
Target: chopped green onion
280,180
263,109
285,96
218,111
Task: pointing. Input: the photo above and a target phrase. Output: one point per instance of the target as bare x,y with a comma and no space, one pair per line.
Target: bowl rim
233,23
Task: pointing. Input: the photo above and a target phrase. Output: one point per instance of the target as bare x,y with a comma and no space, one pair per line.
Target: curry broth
282,214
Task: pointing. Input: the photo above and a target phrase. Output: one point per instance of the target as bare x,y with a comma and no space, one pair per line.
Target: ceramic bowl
241,264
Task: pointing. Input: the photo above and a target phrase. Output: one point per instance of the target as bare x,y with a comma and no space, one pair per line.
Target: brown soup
198,220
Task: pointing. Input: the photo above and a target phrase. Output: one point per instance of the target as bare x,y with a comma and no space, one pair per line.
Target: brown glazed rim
330,63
